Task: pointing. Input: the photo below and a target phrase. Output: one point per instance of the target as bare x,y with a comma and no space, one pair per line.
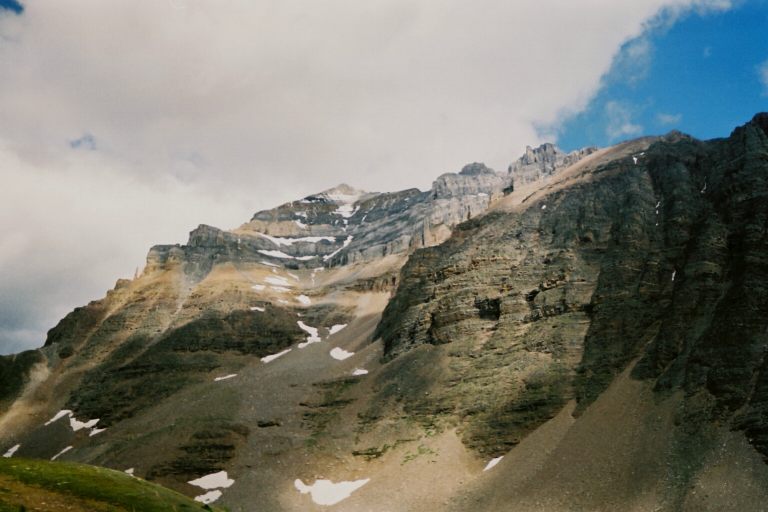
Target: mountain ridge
379,336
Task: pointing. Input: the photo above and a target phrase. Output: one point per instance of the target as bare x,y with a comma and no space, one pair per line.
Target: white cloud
619,121
668,119
762,72
633,62
189,111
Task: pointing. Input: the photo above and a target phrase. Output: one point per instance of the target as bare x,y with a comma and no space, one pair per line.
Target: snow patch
674,273
634,158
95,431
276,254
58,416
325,492
129,471
341,354
334,253
74,423
11,451
336,328
346,210
312,331
79,425
225,377
304,300
360,371
208,497
281,241
543,207
492,463
62,452
258,287
257,308
281,289
267,359
218,480
269,264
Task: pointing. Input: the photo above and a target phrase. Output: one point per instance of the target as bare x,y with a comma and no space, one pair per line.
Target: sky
125,124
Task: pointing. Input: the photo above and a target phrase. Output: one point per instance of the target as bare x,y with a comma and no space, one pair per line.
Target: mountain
584,331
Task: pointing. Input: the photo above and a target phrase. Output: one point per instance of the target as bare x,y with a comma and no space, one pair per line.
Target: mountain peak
476,169
343,193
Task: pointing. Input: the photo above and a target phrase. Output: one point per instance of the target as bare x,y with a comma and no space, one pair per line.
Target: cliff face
661,256
616,294
543,162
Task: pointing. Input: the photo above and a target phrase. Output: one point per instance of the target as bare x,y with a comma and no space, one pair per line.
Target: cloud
633,62
619,121
762,73
668,119
197,111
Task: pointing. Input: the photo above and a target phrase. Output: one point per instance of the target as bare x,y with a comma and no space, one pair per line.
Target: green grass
27,484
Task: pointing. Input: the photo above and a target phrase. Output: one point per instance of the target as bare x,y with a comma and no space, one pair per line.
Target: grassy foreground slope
27,484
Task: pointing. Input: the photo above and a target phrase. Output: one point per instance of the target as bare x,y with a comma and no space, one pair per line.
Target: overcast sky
127,123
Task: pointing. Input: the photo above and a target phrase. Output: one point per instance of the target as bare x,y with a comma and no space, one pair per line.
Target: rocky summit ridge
585,331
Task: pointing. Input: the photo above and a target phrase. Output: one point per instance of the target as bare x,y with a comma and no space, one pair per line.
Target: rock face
543,162
412,336
661,257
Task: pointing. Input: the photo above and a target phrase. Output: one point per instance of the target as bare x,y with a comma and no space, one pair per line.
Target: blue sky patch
704,75
11,5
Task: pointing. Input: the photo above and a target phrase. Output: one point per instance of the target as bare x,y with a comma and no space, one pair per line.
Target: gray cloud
124,124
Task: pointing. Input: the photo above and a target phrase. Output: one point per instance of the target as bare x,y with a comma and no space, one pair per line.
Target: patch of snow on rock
208,497
359,371
11,451
225,377
337,251
336,328
341,354
59,415
345,210
304,300
276,254
281,289
280,241
62,452
129,471
95,431
325,492
79,425
257,308
268,359
312,331
543,207
218,480
492,463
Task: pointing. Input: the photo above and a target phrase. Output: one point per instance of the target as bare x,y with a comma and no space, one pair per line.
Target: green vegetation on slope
27,484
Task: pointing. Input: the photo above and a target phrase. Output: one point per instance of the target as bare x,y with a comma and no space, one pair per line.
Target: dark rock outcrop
661,256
